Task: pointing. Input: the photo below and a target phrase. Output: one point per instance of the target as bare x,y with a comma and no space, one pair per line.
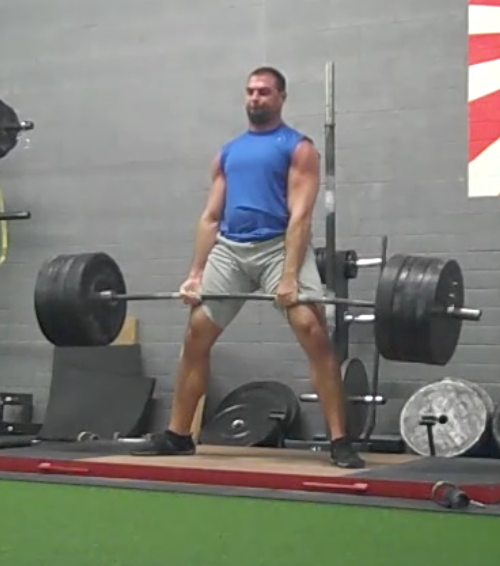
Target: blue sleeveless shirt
255,166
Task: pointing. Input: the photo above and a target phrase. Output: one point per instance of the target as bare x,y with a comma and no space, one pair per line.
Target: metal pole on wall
330,244
336,281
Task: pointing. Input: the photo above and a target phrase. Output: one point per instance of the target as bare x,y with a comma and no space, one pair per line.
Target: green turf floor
68,525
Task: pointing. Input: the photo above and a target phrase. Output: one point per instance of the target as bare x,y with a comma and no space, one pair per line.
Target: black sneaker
165,443
343,454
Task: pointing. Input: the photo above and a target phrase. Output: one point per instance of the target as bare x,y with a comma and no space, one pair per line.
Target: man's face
263,99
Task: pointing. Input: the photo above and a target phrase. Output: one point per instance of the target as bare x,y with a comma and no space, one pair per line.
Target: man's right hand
190,291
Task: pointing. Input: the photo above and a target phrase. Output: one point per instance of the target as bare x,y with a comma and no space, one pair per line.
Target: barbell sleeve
463,313
27,125
369,262
23,126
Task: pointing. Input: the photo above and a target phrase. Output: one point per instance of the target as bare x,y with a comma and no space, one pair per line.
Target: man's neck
265,127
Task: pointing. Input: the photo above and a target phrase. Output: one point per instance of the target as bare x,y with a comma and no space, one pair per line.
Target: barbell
81,300
10,128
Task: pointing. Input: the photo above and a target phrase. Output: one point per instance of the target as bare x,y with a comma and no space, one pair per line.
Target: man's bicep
216,194
304,179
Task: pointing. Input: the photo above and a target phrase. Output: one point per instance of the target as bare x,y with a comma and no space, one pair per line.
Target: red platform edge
486,493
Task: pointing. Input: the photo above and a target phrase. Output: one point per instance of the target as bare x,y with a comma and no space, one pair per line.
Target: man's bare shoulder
306,154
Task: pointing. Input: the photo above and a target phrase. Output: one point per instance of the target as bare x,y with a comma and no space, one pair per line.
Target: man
255,234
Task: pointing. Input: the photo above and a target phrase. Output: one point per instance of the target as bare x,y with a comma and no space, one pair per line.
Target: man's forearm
206,234
298,237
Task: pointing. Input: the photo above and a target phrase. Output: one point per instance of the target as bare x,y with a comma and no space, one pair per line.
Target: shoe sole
348,466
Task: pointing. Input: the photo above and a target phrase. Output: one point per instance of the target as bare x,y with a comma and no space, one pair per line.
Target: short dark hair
278,76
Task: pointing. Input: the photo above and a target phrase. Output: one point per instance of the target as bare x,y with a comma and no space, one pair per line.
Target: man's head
265,96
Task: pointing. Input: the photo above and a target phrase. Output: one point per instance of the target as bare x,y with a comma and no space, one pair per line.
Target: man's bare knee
201,333
309,326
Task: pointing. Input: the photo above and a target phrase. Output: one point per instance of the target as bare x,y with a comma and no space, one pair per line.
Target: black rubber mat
100,390
116,360
462,470
16,441
67,450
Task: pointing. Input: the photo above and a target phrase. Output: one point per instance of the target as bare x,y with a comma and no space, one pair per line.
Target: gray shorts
234,267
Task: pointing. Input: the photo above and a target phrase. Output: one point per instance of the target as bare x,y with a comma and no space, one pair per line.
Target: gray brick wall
131,100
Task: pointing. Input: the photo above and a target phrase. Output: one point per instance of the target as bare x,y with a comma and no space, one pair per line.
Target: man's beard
259,116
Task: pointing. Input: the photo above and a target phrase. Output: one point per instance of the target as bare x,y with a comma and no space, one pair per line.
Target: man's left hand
287,293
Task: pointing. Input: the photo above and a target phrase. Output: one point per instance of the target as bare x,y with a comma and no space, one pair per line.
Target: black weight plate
50,301
407,343
465,409
356,384
46,317
397,299
420,352
383,304
68,306
413,345
244,424
396,305
98,322
279,394
442,287
66,312
9,129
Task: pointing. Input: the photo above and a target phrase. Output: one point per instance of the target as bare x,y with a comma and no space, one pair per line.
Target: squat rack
339,266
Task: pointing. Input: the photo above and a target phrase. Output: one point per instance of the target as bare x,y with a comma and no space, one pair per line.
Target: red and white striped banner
484,98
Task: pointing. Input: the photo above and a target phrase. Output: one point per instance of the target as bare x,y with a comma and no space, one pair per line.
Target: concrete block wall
132,99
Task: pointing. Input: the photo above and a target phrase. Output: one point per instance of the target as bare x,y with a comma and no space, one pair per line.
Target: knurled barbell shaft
110,296
456,312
